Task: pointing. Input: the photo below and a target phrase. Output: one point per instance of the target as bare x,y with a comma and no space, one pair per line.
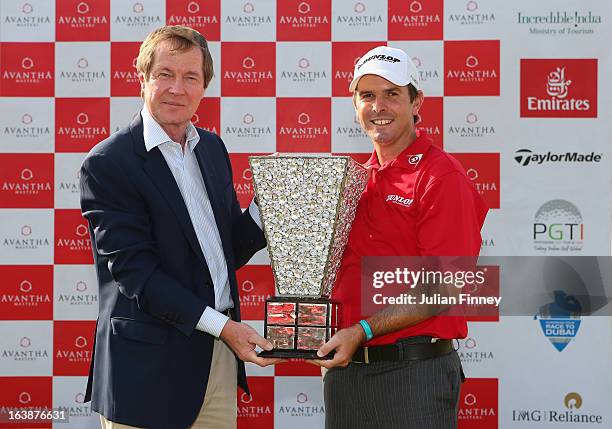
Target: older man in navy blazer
168,233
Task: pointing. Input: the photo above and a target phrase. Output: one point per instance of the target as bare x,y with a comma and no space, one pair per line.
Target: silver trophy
307,206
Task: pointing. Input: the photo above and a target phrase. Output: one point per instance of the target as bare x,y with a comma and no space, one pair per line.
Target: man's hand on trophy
345,343
243,339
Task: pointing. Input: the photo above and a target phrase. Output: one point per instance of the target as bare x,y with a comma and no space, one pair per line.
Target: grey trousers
392,395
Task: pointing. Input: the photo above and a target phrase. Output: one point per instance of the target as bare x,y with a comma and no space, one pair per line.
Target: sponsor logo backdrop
513,90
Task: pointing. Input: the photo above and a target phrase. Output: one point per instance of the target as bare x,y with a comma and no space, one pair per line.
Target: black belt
395,352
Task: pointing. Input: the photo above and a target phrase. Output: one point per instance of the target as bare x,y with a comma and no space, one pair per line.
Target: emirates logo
26,119
193,7
303,8
470,399
26,230
248,8
471,61
471,118
81,286
472,173
138,8
303,63
82,118
82,63
303,119
25,342
80,342
248,119
359,7
25,286
82,8
247,285
81,230
247,174
471,6
27,174
248,63
416,7
27,8
25,398
302,398
27,63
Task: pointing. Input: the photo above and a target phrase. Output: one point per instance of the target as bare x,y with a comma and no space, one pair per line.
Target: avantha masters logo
526,157
560,319
558,227
572,412
559,88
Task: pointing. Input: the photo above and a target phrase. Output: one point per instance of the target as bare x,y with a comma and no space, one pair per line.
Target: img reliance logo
560,319
572,403
559,88
525,157
558,227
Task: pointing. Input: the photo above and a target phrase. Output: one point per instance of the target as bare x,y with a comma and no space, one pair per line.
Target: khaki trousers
219,408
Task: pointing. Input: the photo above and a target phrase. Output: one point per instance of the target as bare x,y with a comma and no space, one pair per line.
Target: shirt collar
154,134
409,158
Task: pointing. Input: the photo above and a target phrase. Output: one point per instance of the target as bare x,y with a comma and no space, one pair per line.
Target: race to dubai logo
560,319
559,88
558,227
473,15
571,412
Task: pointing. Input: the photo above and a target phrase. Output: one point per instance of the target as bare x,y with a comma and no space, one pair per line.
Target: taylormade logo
525,157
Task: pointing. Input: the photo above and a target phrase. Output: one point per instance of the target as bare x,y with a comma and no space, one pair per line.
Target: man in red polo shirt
397,368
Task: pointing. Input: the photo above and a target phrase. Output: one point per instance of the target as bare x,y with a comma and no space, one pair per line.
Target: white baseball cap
389,63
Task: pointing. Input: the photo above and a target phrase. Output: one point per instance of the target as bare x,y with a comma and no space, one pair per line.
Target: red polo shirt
419,204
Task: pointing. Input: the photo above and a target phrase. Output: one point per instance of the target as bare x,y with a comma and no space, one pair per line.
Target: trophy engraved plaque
307,205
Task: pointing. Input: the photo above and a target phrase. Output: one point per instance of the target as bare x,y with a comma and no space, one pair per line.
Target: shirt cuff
254,212
212,322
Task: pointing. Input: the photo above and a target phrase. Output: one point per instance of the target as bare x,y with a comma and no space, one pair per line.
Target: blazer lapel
158,171
214,191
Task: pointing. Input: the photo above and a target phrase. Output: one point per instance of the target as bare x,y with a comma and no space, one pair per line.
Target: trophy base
293,354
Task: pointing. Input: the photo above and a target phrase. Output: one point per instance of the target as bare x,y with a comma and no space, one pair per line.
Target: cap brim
380,73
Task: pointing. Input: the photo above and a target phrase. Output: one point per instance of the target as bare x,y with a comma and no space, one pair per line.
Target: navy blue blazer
150,366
